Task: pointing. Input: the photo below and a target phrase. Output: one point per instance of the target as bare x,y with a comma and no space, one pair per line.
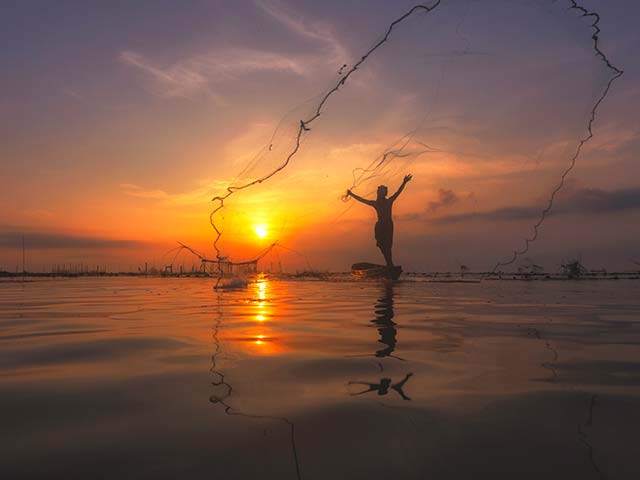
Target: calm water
165,378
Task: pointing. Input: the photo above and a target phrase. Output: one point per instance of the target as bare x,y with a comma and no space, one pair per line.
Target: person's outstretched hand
407,178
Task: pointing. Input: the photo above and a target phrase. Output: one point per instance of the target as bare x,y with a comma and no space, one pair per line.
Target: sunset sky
121,120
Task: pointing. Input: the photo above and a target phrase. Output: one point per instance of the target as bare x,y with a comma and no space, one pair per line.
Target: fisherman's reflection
388,333
383,386
384,322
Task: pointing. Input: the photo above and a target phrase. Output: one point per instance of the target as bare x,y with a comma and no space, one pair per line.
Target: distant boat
365,270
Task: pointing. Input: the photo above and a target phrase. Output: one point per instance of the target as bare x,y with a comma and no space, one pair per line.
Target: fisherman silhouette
384,226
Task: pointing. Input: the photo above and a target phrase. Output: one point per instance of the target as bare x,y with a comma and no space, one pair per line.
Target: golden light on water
260,332
262,290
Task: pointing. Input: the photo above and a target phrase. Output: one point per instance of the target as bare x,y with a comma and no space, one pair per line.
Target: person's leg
386,251
389,246
384,240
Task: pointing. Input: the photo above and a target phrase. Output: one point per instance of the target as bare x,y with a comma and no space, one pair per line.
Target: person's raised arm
406,180
371,203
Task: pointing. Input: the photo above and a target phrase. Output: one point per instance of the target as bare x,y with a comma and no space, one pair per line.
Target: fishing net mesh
486,103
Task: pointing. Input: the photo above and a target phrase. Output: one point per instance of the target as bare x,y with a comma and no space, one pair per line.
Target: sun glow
261,231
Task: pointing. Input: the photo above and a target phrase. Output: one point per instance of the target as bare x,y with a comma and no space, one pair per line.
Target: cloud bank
583,201
43,240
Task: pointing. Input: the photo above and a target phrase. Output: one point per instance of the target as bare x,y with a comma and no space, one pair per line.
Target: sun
261,231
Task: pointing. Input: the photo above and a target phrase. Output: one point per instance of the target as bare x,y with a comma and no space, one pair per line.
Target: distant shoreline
435,277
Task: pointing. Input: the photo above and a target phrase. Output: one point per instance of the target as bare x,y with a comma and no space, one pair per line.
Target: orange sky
112,153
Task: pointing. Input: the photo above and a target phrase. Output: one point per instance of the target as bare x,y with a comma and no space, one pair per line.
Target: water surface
165,378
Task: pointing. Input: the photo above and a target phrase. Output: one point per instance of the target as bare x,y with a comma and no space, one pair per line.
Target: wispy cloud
73,94
173,81
200,74
197,196
316,31
204,73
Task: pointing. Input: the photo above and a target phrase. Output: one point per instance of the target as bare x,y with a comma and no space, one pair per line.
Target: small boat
365,270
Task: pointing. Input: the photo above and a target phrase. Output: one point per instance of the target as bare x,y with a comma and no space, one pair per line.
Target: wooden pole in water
24,269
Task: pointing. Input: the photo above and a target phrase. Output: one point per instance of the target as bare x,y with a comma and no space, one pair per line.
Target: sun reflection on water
259,336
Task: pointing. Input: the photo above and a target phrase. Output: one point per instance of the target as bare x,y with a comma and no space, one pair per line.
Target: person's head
382,191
